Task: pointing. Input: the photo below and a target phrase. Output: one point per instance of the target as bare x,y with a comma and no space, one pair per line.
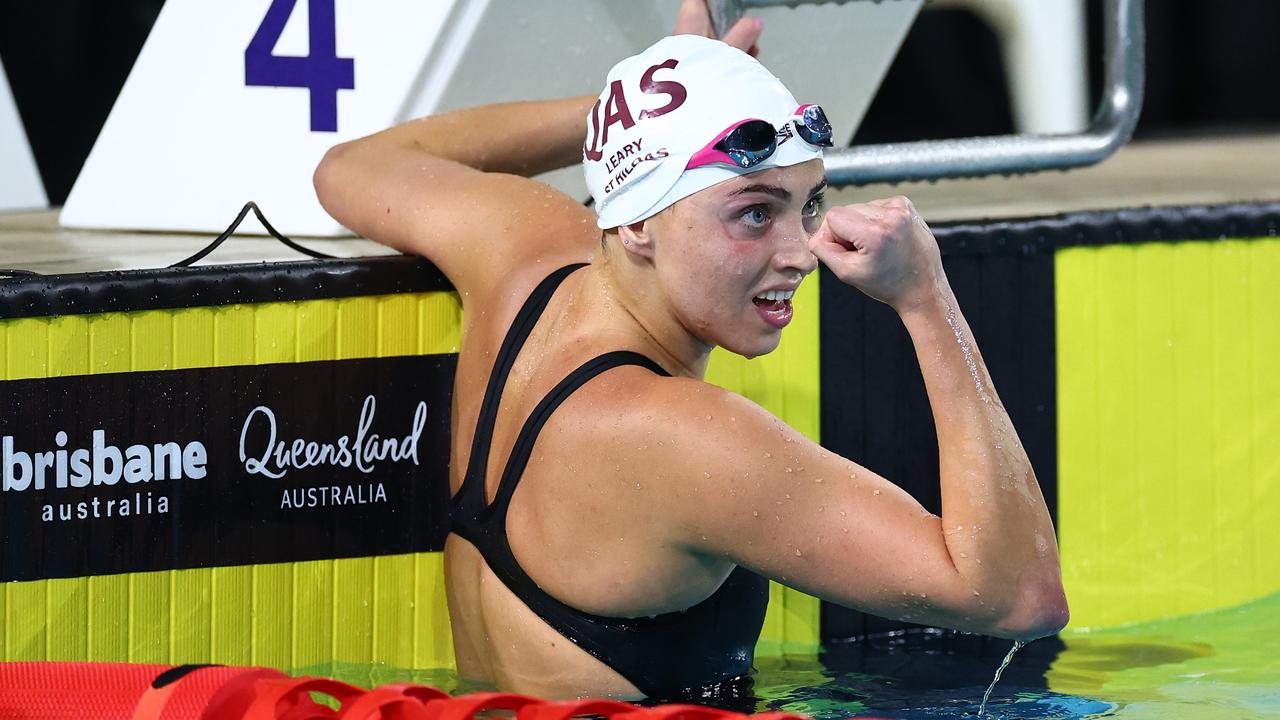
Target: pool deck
1205,171
1235,168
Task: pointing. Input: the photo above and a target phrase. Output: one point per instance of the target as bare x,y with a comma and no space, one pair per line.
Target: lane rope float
111,691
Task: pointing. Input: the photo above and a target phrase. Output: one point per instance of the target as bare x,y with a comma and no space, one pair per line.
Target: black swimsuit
663,655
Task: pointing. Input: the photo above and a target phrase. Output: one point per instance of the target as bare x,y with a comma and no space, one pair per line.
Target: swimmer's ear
637,238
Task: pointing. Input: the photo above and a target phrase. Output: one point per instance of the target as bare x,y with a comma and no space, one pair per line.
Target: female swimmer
615,517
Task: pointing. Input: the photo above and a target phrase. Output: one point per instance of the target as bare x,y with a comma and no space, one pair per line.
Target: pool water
1224,664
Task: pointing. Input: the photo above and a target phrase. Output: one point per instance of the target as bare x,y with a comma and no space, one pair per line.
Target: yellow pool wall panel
388,610
1168,368
373,610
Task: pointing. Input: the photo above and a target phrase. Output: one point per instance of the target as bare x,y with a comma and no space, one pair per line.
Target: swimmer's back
583,524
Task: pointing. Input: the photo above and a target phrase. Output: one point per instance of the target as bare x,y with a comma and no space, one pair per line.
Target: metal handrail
1111,127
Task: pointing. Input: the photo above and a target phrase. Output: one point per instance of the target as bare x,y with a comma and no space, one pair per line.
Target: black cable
251,205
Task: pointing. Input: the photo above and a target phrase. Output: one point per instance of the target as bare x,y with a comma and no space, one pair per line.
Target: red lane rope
574,708
105,691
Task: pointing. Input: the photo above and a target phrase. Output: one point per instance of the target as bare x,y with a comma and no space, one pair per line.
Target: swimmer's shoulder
676,422
706,461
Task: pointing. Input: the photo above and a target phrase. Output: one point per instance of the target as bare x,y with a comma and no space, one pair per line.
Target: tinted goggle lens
749,144
813,126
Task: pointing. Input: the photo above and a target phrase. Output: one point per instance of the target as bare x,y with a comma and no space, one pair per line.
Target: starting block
239,100
20,184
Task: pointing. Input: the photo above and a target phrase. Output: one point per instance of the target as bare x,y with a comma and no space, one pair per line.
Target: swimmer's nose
794,255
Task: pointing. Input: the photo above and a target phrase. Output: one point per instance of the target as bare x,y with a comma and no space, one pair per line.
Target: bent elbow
1038,612
327,177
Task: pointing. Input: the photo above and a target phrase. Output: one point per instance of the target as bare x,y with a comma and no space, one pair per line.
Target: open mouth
774,300
774,307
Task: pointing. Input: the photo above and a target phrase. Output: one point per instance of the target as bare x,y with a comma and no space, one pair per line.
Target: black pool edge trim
211,285
1174,223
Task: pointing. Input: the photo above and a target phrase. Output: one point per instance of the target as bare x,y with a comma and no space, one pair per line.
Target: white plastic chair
1044,46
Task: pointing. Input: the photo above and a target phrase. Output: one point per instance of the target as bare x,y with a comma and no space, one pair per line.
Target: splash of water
982,709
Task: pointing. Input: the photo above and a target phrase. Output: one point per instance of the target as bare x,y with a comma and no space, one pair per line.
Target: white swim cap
661,107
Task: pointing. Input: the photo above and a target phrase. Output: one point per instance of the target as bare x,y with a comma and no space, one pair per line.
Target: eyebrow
777,191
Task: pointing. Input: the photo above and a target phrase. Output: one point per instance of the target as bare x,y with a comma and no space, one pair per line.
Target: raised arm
995,523
455,189
816,521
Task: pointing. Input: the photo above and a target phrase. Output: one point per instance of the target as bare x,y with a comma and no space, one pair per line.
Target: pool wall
1169,426
1136,351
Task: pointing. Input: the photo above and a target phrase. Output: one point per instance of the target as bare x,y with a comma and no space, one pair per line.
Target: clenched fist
883,248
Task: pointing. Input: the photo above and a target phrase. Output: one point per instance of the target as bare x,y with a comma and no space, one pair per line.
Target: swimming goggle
751,142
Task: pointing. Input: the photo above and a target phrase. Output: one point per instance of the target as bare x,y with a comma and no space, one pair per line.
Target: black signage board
139,471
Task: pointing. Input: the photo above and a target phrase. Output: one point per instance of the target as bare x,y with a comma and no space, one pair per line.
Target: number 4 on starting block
321,71
238,100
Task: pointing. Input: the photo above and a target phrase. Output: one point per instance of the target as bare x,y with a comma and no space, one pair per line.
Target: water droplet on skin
1042,546
844,514
768,455
798,552
708,417
789,470
755,513
964,555
637,486
706,474
817,480
875,492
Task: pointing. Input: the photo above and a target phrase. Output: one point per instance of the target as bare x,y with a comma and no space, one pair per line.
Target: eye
814,207
755,216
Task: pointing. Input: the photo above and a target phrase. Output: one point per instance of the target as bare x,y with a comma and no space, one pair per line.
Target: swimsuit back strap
523,447
511,344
